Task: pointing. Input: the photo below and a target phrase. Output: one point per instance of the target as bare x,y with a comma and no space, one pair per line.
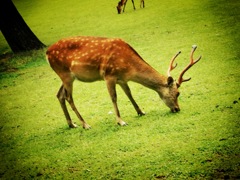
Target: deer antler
192,62
171,67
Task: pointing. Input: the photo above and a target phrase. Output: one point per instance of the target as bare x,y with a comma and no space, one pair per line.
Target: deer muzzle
175,109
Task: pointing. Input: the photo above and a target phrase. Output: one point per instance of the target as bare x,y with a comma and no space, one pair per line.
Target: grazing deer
124,2
90,59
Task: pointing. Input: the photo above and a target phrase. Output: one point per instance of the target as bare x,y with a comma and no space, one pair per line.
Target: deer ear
170,81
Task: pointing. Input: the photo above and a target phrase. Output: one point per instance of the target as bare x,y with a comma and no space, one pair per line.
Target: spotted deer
90,59
122,3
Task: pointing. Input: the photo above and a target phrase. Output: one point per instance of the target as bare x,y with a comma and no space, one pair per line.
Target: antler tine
171,67
194,47
192,62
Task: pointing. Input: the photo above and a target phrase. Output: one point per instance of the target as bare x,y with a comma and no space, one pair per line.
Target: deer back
92,58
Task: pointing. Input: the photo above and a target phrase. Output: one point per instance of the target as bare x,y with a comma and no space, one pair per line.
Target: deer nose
176,109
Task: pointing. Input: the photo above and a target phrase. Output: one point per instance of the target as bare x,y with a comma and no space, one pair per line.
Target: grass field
200,142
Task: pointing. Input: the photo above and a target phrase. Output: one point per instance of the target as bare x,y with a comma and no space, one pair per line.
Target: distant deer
122,3
90,59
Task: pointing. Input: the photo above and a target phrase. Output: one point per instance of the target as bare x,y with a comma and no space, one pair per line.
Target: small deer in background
122,3
90,59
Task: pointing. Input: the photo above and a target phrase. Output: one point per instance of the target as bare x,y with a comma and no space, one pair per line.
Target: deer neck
149,77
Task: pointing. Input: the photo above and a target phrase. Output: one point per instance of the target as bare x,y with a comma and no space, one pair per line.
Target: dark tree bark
16,32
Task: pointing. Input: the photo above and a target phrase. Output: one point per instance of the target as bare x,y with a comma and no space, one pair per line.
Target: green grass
200,142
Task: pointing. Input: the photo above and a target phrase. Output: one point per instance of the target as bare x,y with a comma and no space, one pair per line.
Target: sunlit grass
200,142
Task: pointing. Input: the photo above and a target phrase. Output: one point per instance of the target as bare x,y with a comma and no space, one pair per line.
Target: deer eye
178,94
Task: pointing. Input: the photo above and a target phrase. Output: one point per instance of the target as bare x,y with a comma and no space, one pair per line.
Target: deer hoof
86,126
122,123
73,126
141,113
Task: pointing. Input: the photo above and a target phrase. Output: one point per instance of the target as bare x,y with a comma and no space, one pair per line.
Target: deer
90,59
124,2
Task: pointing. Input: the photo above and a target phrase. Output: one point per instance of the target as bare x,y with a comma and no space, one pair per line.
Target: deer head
119,7
171,93
120,4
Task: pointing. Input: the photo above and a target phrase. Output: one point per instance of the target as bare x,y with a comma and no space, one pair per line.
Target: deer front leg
124,5
111,85
127,91
133,4
142,5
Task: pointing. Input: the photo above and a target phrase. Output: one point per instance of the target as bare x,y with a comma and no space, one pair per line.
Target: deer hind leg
66,94
62,95
127,91
111,85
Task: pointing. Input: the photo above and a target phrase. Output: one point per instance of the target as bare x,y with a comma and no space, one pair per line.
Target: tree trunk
16,32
